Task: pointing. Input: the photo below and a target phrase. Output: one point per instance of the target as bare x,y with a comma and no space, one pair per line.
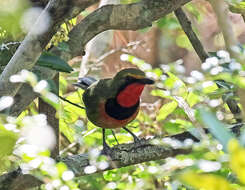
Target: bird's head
130,84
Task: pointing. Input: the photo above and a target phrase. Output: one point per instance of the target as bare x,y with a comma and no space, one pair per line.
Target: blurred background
164,52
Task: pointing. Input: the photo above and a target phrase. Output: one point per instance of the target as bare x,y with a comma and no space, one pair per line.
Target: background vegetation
194,111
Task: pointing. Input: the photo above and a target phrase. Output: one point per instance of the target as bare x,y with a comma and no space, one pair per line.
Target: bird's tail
84,82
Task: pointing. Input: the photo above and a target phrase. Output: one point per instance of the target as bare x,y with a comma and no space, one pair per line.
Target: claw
106,150
136,139
114,136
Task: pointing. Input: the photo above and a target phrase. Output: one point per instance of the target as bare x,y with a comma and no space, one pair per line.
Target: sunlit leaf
192,99
205,181
174,83
61,167
111,175
168,22
172,127
162,94
166,109
7,141
209,87
183,42
237,162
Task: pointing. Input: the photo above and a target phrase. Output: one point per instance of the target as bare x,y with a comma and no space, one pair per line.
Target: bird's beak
146,81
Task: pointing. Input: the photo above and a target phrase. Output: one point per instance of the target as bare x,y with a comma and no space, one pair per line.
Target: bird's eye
128,78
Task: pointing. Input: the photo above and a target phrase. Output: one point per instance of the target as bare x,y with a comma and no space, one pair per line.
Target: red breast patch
130,95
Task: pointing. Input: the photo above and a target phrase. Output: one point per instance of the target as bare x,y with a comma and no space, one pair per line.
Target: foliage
53,62
196,103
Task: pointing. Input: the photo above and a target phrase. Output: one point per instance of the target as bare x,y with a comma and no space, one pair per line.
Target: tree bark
52,119
121,156
115,17
32,46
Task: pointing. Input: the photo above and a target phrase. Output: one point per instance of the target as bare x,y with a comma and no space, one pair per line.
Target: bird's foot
136,140
106,150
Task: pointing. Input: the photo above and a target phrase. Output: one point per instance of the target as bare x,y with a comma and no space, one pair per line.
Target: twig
74,104
121,155
125,48
186,26
68,148
5,46
197,45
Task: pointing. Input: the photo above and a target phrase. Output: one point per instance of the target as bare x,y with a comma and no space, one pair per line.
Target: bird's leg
114,135
106,149
136,139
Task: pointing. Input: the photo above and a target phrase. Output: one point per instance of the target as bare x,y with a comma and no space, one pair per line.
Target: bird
113,102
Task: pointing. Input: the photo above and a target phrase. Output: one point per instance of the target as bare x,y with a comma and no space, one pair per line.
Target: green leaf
53,62
172,128
161,93
7,141
111,176
204,181
70,115
168,22
192,99
183,42
210,88
166,109
174,83
216,128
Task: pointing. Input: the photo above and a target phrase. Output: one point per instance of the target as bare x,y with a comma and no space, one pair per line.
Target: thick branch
121,156
125,155
53,121
116,17
121,17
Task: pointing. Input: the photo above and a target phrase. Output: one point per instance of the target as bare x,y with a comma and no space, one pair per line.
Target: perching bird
113,102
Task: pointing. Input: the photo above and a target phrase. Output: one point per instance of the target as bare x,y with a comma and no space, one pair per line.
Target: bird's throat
130,95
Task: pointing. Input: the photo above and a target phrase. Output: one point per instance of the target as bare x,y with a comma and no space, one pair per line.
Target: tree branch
32,46
186,26
115,17
122,155
26,94
121,17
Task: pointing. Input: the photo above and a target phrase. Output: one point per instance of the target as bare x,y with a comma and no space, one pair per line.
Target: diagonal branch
124,17
32,46
186,26
133,16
